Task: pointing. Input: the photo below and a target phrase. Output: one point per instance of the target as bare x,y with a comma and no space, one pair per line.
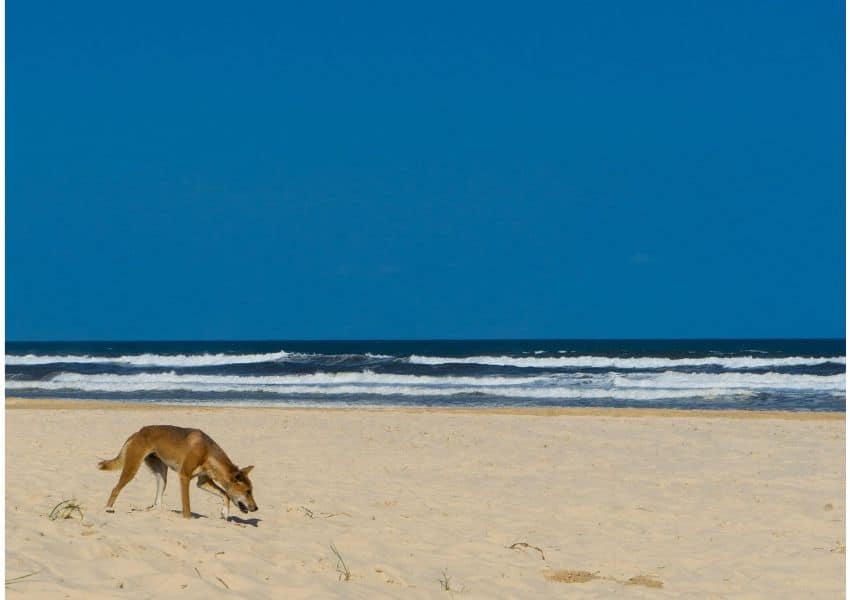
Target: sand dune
589,504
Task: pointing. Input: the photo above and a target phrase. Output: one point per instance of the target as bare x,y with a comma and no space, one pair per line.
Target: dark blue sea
800,375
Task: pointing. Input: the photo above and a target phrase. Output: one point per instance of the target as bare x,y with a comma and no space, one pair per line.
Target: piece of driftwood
516,545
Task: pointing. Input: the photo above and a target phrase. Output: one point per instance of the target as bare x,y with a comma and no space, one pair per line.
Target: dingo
190,452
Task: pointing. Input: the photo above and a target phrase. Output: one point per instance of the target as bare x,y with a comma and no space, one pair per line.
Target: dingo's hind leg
133,457
160,471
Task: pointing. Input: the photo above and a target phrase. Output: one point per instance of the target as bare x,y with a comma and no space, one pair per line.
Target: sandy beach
514,503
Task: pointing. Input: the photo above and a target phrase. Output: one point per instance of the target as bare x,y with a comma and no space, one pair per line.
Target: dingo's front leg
184,495
206,483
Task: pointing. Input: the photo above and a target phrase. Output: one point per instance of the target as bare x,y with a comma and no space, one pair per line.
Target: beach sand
513,503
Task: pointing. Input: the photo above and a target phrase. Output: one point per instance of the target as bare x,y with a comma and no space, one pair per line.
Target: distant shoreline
14,403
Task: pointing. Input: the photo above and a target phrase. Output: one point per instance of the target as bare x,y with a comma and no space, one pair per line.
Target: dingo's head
240,490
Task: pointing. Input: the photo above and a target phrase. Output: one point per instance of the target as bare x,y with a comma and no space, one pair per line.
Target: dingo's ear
246,470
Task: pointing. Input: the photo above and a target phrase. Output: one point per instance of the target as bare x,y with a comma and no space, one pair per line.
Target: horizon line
482,339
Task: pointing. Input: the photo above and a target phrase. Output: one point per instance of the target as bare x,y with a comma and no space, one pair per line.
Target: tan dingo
190,452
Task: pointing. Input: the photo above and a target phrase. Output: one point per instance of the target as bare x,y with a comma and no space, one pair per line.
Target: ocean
799,375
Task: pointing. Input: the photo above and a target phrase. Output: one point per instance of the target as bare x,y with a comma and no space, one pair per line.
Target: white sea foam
613,362
296,390
207,359
636,386
151,360
731,381
365,377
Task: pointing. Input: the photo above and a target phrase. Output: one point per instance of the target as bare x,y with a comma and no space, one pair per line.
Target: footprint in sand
645,580
570,576
389,576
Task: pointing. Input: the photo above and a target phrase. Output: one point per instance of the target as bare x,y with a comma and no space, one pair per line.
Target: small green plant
20,578
65,510
445,581
341,568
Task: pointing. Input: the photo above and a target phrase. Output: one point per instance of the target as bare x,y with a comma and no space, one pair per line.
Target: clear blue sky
457,170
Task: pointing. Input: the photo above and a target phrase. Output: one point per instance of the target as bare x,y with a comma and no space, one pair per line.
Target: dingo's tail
115,463
111,465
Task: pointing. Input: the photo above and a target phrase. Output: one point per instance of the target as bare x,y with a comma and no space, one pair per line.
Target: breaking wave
644,362
789,375
150,360
576,385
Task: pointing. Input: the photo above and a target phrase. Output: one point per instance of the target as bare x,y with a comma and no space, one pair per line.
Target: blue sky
448,170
